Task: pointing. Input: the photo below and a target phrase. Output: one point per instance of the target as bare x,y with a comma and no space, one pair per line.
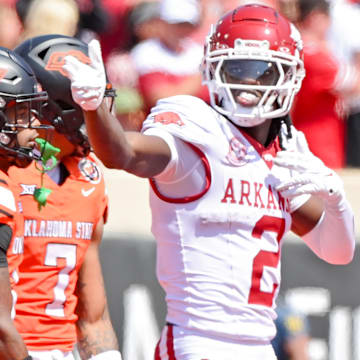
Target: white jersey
218,251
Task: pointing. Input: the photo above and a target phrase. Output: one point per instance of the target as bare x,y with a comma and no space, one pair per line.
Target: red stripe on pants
157,351
169,345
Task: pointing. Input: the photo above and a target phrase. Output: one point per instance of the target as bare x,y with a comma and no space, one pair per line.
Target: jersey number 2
67,252
265,258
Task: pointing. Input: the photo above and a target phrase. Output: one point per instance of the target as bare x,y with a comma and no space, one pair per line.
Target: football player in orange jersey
20,103
62,300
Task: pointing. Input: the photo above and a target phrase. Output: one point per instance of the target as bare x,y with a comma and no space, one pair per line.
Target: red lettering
245,193
229,193
258,187
254,194
271,200
287,205
281,202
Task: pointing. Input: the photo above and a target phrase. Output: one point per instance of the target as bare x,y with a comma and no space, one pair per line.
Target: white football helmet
253,65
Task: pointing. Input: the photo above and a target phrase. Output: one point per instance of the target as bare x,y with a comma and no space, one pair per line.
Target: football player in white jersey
228,181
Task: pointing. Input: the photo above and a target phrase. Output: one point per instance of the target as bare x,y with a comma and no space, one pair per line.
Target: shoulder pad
185,116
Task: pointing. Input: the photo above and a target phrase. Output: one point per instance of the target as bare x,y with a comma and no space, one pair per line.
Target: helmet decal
57,60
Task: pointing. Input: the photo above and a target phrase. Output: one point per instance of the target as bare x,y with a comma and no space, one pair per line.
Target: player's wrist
107,355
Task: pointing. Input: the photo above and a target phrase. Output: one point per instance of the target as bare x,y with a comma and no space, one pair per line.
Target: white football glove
310,175
88,82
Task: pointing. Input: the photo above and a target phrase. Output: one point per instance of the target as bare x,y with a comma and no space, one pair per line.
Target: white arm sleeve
333,238
185,173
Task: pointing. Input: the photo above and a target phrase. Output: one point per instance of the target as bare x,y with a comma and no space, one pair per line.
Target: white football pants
177,343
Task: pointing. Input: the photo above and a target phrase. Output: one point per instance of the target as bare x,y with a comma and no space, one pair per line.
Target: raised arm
141,155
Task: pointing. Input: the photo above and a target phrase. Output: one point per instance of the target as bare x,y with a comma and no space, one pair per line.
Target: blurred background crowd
153,48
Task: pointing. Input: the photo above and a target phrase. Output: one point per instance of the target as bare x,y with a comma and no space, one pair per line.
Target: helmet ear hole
58,124
4,139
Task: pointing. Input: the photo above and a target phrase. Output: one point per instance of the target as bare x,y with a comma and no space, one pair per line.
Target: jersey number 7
68,252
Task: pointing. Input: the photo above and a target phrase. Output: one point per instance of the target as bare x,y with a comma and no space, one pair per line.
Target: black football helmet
19,91
45,54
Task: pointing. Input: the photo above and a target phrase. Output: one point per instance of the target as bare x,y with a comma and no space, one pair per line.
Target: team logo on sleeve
90,171
167,118
57,60
237,152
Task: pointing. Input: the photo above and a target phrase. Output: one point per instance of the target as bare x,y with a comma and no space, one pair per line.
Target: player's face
249,72
19,134
22,119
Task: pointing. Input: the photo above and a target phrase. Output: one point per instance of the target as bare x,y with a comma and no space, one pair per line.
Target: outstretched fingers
302,144
95,55
88,81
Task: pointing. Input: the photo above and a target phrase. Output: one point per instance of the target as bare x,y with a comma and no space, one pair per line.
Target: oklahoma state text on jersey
56,240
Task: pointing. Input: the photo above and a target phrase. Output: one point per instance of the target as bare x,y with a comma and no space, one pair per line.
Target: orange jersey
10,214
56,240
